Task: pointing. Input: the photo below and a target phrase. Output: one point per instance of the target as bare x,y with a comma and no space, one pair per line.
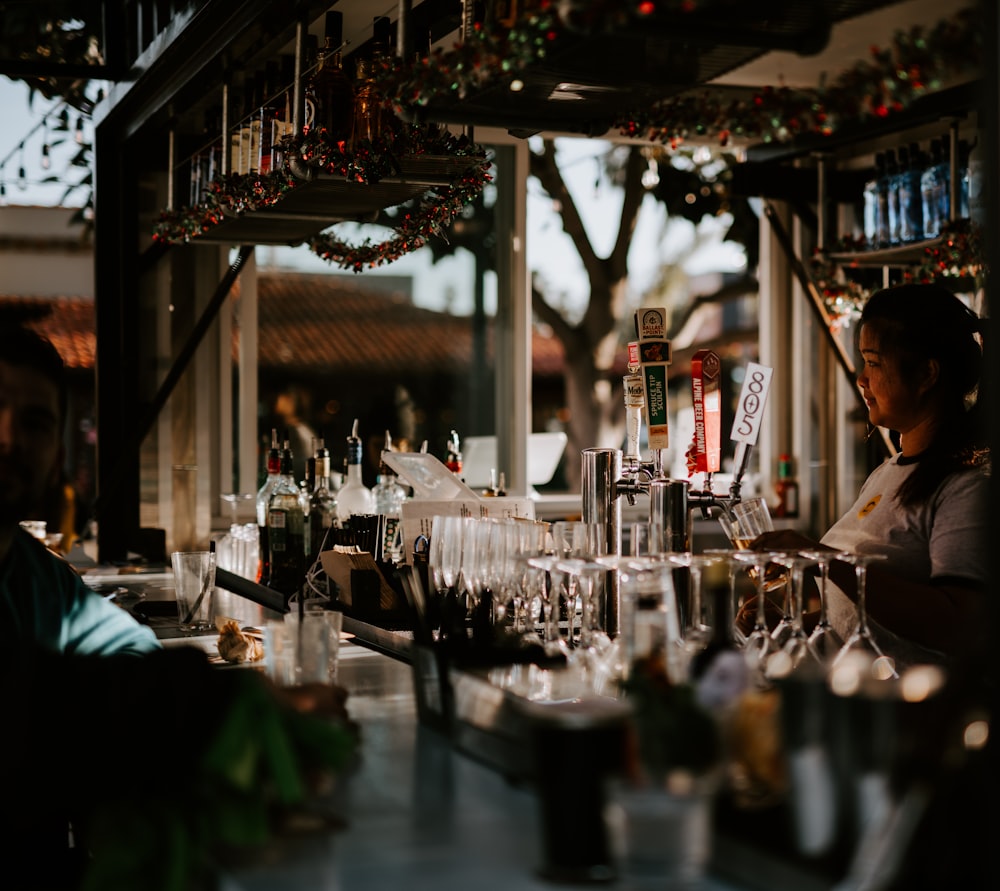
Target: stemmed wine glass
795,644
824,641
759,644
698,632
862,641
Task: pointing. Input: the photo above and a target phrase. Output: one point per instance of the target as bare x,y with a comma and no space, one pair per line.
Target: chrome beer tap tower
608,475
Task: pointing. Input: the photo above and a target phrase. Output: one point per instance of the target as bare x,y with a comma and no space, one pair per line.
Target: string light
79,130
22,174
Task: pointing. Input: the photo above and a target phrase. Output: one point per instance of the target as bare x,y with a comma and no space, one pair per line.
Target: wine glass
793,647
541,567
759,644
862,641
572,541
698,630
824,641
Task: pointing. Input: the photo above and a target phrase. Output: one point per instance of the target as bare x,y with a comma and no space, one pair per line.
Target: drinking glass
824,641
540,575
759,644
862,641
698,629
194,578
793,646
573,543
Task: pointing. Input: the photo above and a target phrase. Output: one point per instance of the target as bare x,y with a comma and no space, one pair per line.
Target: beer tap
608,474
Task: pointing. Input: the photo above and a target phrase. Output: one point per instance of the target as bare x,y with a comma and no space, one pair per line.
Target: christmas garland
891,80
367,163
957,254
436,210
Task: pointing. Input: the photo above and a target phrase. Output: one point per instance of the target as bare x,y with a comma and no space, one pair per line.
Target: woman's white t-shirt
943,538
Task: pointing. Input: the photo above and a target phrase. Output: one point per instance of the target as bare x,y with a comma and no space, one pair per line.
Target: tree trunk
593,388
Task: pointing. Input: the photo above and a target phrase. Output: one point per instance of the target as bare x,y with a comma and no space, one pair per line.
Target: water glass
194,579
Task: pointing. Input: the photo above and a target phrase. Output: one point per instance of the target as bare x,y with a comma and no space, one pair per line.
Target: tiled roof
318,321
312,322
67,321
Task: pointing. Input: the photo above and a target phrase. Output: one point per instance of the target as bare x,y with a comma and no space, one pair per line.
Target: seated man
42,600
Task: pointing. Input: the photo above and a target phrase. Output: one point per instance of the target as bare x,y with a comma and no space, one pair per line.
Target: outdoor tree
593,342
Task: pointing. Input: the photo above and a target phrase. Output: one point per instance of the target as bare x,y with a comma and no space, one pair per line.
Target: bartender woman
925,508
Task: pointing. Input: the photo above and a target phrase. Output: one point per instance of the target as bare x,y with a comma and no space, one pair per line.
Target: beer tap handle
746,425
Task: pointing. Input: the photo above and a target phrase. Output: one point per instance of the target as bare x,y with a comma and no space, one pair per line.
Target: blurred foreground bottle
354,497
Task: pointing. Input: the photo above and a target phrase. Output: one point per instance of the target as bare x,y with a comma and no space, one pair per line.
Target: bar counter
419,814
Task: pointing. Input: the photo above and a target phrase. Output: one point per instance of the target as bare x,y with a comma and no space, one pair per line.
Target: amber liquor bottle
331,89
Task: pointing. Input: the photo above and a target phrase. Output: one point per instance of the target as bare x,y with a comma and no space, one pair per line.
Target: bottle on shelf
389,498
283,122
882,210
273,465
930,190
962,173
268,113
911,216
892,193
322,502
354,498
870,203
286,530
368,100
234,137
787,489
332,91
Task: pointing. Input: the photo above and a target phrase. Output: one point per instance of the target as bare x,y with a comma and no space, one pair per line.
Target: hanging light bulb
64,119
46,159
22,174
3,189
79,130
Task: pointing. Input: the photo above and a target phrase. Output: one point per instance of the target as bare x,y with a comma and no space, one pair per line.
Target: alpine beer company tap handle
746,424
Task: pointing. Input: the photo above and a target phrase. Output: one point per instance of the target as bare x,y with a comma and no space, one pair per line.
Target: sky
436,286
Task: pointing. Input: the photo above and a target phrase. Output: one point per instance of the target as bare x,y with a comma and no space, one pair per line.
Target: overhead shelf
313,206
900,255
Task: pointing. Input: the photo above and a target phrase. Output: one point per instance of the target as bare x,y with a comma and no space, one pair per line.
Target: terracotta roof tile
310,322
67,321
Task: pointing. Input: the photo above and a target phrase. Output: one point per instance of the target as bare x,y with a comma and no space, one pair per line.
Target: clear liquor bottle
389,499
354,498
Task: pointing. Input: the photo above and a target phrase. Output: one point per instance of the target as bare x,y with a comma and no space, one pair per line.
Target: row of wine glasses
547,585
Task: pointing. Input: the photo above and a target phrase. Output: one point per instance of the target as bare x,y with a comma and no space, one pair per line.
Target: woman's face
892,401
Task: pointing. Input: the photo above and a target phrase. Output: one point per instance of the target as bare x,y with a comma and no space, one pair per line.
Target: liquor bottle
322,510
911,223
870,217
282,124
286,530
235,134
245,128
721,687
368,100
331,89
892,190
930,187
882,215
389,497
254,116
454,460
273,465
354,497
787,489
268,113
